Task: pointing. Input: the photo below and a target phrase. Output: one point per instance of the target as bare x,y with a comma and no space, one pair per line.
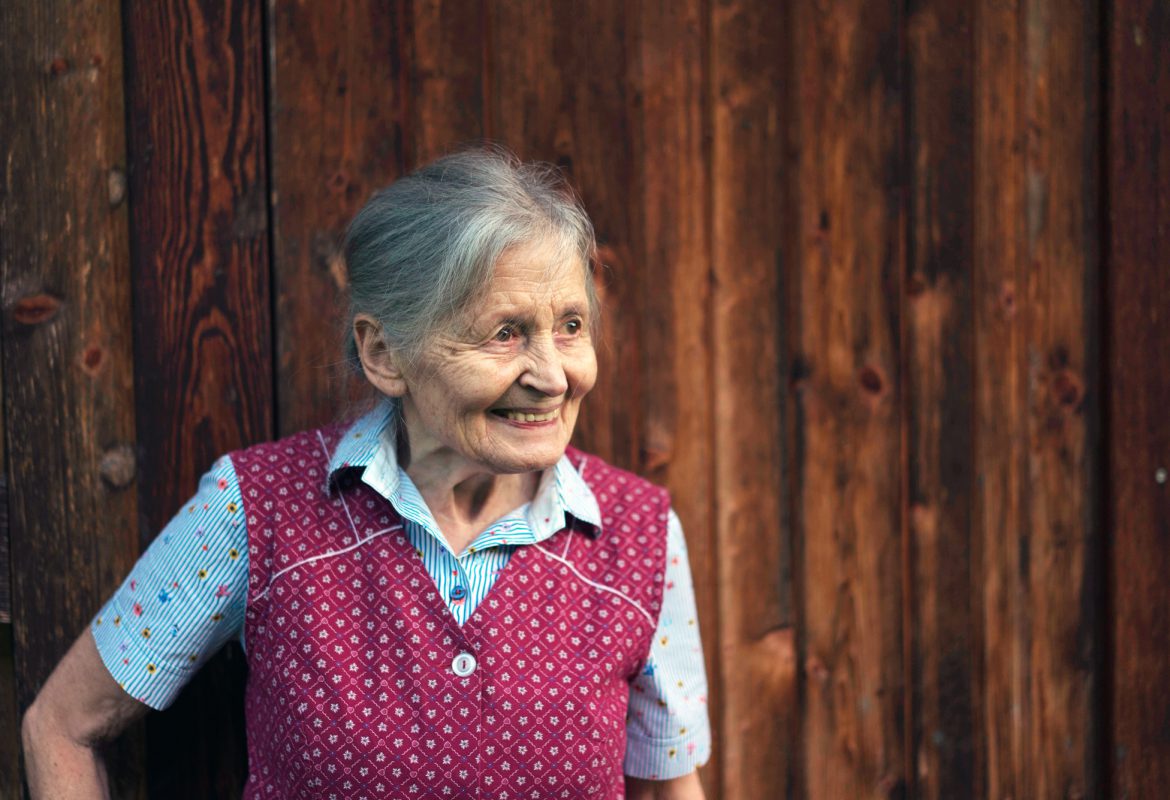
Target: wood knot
118,466
36,309
92,359
815,670
1007,300
1067,389
58,66
871,380
337,182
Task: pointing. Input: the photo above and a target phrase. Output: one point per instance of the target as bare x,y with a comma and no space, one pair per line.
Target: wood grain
846,112
1036,417
446,68
757,717
942,630
1138,339
202,311
68,365
674,264
338,133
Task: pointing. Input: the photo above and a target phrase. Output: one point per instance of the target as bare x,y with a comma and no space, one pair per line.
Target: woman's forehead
539,272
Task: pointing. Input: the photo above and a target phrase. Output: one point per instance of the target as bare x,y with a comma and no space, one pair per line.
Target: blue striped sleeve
184,599
668,733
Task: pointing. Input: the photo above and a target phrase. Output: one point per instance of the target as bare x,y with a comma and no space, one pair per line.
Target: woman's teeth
520,416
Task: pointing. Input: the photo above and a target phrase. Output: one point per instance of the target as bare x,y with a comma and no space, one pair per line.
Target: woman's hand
79,707
685,788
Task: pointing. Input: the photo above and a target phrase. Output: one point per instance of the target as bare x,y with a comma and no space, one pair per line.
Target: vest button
463,665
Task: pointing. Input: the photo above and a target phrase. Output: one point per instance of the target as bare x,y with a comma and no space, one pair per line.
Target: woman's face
501,390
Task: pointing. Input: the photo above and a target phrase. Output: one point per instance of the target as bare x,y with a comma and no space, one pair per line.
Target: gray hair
423,250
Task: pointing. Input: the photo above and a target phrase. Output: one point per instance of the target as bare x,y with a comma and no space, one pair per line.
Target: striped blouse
175,585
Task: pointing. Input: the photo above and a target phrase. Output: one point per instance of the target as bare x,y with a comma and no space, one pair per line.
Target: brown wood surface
202,312
67,351
669,108
942,632
756,721
337,104
1035,503
847,452
447,76
1138,341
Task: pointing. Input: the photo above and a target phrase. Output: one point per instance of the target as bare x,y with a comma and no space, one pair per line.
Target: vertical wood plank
846,318
942,624
1037,421
202,312
67,354
446,76
1138,335
338,133
674,262
757,716
999,406
1064,403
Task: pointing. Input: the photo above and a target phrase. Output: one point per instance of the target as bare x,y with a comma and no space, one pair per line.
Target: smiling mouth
525,416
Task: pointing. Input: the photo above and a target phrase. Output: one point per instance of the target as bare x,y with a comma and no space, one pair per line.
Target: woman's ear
380,362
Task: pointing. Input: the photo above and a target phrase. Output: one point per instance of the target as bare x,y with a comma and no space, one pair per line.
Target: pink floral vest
361,683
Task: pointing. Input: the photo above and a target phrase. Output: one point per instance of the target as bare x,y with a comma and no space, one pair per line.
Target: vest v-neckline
503,582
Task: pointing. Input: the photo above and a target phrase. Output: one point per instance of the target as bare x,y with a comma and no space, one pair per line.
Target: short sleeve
184,599
668,733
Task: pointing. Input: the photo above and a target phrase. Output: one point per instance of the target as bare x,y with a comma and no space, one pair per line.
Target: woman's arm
685,788
79,707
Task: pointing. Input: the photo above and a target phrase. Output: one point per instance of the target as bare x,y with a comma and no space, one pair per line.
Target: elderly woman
441,598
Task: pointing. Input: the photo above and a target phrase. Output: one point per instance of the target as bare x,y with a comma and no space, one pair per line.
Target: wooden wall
887,309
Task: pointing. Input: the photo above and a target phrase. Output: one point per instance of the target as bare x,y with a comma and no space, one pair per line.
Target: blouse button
463,665
457,593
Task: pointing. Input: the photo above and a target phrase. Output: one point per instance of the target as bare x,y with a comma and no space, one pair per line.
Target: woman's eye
573,326
505,334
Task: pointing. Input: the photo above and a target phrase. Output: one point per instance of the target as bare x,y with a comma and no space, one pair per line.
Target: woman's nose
545,372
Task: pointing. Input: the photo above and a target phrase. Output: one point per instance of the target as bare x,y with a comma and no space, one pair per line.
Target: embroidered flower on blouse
146,633
151,668
233,554
232,508
202,574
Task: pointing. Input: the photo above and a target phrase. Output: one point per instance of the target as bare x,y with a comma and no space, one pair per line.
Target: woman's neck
464,498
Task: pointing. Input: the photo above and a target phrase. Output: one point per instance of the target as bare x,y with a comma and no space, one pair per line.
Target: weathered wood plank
757,716
846,108
337,134
202,321
1035,354
1000,422
1138,336
1062,312
446,76
674,266
942,623
68,369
